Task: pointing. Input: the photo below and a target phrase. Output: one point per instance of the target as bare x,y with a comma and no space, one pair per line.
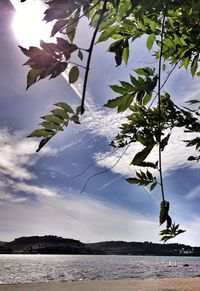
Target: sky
39,193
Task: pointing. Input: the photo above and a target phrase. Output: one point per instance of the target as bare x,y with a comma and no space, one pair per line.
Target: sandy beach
191,284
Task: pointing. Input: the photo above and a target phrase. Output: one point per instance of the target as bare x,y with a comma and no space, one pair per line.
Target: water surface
58,268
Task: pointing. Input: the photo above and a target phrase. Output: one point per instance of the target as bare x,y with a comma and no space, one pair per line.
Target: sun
27,23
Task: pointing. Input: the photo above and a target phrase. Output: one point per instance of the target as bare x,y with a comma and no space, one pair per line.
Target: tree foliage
171,29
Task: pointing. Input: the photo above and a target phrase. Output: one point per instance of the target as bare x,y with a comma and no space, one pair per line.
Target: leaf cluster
56,121
51,59
144,179
138,89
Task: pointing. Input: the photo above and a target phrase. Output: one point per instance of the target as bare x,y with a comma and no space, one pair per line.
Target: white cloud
37,190
11,198
174,156
78,217
17,154
194,193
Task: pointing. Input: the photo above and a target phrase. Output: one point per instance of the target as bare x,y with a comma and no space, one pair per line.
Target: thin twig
90,165
76,64
84,14
163,84
105,171
90,55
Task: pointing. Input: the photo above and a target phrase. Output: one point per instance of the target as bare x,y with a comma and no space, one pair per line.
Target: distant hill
47,244
50,244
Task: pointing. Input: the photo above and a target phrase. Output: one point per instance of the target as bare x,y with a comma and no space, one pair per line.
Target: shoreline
178,284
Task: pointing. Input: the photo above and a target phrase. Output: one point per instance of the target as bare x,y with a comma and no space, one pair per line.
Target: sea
61,268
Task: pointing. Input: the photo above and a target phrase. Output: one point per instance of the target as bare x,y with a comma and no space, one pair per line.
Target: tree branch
90,55
159,101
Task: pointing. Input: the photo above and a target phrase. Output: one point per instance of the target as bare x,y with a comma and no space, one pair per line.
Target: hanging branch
90,55
104,171
159,102
90,165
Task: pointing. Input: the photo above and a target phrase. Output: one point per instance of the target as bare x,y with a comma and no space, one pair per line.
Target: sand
191,284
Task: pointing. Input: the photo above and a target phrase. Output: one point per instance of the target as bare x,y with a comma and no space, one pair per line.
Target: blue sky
38,194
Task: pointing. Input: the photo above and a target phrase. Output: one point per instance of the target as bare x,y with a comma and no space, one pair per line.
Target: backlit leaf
40,133
65,106
73,74
150,40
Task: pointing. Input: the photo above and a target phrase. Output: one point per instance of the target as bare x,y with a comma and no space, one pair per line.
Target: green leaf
65,106
32,77
150,40
147,71
146,99
141,156
60,113
125,53
73,74
75,119
117,89
41,133
53,118
106,34
50,125
194,65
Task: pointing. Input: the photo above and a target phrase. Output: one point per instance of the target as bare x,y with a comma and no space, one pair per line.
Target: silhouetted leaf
42,143
80,55
164,208
58,26
141,156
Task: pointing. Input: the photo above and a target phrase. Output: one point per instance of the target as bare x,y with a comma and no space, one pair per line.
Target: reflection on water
55,268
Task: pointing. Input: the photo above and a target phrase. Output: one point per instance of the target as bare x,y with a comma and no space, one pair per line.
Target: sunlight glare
27,23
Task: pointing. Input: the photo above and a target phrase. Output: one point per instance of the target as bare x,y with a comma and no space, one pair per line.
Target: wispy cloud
17,156
194,193
37,190
174,156
78,217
